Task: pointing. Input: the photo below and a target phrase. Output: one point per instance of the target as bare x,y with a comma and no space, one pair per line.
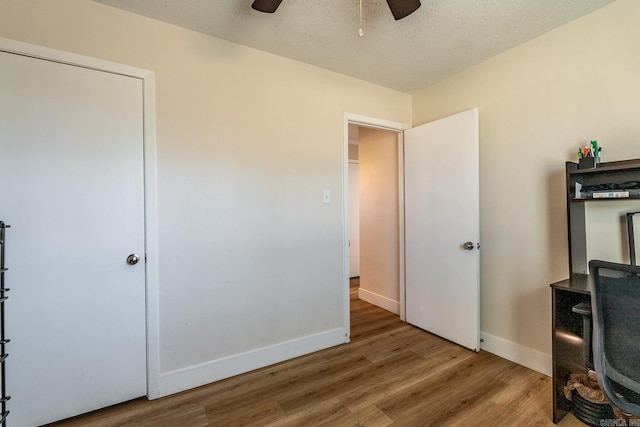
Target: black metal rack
3,339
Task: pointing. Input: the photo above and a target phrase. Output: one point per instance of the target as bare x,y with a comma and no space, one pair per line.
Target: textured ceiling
441,38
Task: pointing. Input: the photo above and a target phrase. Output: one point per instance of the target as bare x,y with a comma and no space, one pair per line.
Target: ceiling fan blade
267,6
403,8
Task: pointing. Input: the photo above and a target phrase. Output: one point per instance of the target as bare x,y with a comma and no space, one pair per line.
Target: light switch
326,196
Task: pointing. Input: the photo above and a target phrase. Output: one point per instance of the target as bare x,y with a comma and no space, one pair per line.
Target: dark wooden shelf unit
616,167
3,340
618,173
568,344
567,326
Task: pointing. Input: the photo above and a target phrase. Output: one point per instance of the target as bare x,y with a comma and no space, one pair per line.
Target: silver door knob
133,259
468,246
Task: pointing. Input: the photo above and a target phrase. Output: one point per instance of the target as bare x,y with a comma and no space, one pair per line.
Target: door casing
385,125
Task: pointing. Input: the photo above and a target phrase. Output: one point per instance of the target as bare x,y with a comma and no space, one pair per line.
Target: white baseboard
205,373
379,301
525,356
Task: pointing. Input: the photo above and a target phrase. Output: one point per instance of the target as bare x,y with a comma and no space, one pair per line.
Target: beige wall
250,257
379,218
538,103
607,236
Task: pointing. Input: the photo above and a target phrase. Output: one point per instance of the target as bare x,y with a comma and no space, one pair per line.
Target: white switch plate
326,196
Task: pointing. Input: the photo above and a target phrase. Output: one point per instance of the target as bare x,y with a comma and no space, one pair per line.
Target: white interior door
71,188
441,214
354,219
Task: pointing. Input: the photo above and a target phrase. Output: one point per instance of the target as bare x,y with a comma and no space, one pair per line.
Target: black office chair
615,302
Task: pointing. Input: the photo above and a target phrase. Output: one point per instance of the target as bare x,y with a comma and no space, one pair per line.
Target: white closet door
71,187
441,215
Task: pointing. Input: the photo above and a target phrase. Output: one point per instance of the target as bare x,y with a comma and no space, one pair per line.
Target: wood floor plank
392,384
371,416
436,399
246,412
322,412
362,384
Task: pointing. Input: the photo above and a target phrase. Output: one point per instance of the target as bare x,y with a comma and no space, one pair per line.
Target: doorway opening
374,215
374,225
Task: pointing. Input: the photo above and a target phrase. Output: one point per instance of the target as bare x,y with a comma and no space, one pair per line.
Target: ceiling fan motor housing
403,8
399,8
267,6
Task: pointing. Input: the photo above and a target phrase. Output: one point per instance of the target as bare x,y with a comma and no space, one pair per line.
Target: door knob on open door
133,259
468,246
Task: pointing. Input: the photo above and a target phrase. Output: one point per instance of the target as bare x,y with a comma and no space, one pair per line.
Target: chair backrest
615,302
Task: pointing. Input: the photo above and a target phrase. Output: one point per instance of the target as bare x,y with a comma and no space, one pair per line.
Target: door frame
150,183
372,122
350,245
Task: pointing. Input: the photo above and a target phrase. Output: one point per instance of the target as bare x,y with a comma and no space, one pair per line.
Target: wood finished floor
390,374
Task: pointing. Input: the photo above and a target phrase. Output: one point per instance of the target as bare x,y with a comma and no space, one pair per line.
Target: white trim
374,122
517,353
150,181
379,300
379,124
346,296
151,236
41,52
401,230
215,370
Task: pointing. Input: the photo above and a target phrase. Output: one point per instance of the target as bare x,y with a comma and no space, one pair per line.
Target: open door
442,228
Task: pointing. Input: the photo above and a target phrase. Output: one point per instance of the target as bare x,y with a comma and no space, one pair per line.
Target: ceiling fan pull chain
360,31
